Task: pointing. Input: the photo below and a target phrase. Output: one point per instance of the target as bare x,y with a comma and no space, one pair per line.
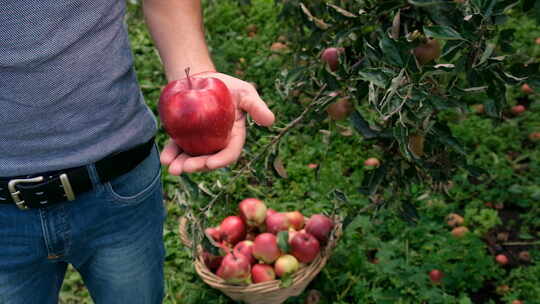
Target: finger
169,153
177,165
257,108
233,150
195,164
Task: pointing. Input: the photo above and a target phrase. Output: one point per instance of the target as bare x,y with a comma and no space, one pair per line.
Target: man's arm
177,29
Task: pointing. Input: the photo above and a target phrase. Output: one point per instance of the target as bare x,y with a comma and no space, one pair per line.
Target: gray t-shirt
68,92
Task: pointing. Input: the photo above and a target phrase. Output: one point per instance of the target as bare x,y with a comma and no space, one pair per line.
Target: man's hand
247,100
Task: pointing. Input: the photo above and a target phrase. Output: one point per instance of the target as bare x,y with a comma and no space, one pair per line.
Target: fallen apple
253,211
233,229
320,227
534,136
262,273
455,220
501,259
372,162
436,276
304,247
197,113
235,268
525,88
286,265
460,231
518,109
265,248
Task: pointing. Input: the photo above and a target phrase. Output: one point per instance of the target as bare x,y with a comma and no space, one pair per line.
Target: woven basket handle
183,231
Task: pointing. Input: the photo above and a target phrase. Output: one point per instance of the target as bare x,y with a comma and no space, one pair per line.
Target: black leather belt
43,190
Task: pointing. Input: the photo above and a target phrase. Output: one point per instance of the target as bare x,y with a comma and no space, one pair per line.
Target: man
79,172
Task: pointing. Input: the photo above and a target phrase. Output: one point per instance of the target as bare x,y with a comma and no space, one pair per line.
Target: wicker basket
267,292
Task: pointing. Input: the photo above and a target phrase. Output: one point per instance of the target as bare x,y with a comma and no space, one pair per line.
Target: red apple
253,211
459,232
198,114
245,248
428,51
518,301
312,166
341,109
292,233
214,233
331,57
516,110
262,273
501,259
525,88
265,248
235,268
436,276
320,227
277,222
212,261
305,247
296,219
285,265
233,229
270,211
372,162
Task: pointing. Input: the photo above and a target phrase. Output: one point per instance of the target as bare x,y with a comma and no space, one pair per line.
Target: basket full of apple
265,256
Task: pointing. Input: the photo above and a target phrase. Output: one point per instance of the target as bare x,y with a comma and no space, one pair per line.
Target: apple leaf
280,168
442,32
283,241
362,126
286,281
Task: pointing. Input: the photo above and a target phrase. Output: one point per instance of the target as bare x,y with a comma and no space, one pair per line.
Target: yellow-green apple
262,273
233,229
245,248
320,227
296,219
305,247
265,248
277,222
235,268
253,211
198,113
286,265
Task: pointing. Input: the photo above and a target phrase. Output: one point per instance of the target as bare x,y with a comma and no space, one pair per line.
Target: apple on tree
331,57
197,113
427,52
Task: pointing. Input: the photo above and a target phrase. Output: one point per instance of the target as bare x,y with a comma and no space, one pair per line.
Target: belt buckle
21,204
15,194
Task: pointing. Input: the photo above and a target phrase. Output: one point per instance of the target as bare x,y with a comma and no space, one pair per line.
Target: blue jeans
112,235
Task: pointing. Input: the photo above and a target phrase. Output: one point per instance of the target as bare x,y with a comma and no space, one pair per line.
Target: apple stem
190,85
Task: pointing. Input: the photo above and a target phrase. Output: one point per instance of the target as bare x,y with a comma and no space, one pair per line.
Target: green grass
406,249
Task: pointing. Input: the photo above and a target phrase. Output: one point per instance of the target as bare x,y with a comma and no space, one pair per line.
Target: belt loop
94,177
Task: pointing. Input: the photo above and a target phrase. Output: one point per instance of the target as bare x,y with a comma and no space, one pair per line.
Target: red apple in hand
304,247
245,248
320,227
277,222
265,248
295,219
262,273
198,114
235,268
233,229
253,211
286,264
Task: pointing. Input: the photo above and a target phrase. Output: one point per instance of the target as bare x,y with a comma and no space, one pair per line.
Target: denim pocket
137,184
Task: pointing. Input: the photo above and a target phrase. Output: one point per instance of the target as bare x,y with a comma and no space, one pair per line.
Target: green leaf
424,3
362,126
375,76
442,32
391,51
283,241
373,180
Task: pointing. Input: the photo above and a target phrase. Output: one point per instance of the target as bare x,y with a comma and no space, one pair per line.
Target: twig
267,147
521,243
